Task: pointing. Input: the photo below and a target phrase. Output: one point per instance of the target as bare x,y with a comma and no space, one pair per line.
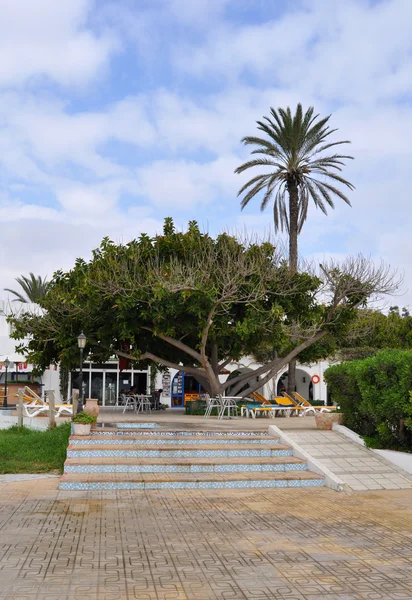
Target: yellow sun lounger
283,405
306,404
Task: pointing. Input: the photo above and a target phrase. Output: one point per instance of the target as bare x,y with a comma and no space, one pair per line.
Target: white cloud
187,184
43,240
167,141
50,39
345,51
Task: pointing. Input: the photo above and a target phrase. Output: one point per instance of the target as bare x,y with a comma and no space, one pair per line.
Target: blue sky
114,115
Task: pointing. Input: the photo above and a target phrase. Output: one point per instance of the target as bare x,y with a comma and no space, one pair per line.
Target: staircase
145,457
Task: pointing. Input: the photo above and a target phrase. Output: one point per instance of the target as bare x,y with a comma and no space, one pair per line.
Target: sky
115,115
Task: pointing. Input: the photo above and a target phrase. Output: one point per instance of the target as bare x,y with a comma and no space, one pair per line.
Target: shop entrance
184,389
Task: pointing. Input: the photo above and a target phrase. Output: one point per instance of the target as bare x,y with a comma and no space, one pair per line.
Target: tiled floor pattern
136,461
360,468
204,545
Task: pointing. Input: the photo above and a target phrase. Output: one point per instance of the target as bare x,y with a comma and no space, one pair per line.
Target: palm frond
33,287
256,162
294,147
317,200
18,298
334,190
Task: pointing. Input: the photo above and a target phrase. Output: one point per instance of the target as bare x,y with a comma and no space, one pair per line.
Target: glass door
178,390
96,390
110,389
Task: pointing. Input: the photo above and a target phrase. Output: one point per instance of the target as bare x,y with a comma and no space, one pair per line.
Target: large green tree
189,301
295,163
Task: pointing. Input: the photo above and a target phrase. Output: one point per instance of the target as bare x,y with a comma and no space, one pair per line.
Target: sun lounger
308,408
34,405
264,407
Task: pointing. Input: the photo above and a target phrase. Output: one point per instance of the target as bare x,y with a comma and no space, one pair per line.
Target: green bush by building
375,397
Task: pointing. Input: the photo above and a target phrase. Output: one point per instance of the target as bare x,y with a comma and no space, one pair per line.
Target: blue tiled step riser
137,425
174,485
228,434
184,468
175,453
167,442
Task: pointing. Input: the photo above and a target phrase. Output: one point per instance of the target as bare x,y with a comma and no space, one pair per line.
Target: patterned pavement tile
288,544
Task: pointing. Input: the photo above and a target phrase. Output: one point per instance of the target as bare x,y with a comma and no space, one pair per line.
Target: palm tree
33,288
300,168
294,149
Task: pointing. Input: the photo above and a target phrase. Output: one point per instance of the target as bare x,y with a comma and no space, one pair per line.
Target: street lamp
81,342
6,364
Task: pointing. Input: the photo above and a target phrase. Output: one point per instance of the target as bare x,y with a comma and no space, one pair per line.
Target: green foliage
374,395
294,150
188,301
34,288
23,450
84,418
168,286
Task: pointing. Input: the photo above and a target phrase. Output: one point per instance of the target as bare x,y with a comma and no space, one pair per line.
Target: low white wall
400,459
40,424
349,433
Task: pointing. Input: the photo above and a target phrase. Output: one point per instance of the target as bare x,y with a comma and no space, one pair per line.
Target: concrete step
182,452
113,481
164,460
164,447
215,465
108,440
173,432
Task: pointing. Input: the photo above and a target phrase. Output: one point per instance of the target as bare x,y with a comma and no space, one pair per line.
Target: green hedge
374,396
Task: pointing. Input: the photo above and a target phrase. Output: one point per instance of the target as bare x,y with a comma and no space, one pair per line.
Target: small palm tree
34,288
294,148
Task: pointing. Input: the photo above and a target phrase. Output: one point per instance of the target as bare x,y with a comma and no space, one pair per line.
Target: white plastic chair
129,403
229,404
145,404
212,403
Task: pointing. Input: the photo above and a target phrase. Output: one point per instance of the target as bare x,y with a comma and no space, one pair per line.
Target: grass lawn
27,451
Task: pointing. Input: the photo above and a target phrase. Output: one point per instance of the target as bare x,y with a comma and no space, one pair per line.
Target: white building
19,371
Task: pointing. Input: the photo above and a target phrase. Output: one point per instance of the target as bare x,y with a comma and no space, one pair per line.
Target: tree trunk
293,260
293,225
292,377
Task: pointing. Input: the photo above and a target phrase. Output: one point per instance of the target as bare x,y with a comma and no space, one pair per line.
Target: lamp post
6,364
81,342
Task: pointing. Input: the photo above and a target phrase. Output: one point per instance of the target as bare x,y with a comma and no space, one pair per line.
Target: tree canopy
189,301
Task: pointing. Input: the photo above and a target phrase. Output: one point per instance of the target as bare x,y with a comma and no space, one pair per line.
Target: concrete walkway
203,545
359,468
176,419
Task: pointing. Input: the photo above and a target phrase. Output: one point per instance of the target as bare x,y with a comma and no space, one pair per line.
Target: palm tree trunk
293,260
293,225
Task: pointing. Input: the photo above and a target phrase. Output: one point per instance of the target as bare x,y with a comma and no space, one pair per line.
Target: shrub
84,418
374,396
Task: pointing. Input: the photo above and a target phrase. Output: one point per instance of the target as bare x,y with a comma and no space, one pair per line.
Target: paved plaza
292,544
